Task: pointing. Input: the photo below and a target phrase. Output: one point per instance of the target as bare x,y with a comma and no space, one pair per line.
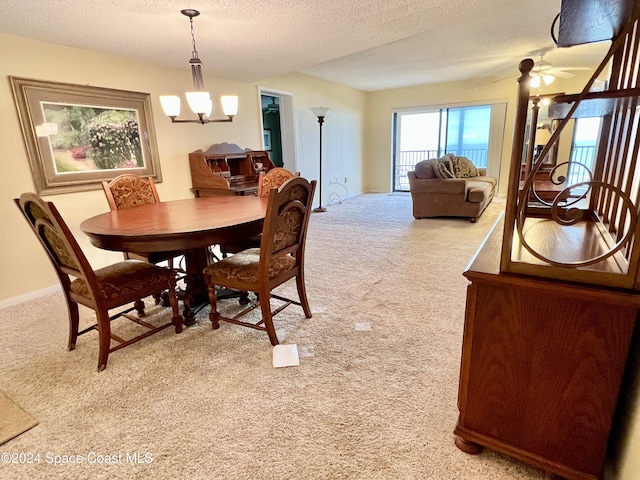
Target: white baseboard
11,302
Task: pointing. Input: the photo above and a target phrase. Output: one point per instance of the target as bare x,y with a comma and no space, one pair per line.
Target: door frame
287,125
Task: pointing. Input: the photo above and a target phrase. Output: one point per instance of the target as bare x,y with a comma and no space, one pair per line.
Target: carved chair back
129,190
273,178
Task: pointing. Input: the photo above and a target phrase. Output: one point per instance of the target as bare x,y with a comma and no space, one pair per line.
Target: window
432,132
583,149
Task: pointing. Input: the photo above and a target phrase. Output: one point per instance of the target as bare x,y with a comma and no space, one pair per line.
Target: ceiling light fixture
538,79
199,100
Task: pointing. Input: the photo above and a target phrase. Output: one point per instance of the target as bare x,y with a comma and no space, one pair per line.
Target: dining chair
101,290
127,191
266,181
130,190
279,258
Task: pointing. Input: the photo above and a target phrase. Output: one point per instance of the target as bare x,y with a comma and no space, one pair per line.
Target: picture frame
267,139
77,136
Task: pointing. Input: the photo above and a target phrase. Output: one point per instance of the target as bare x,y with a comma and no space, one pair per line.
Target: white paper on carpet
285,356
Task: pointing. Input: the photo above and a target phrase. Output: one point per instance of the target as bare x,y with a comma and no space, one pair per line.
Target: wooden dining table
190,225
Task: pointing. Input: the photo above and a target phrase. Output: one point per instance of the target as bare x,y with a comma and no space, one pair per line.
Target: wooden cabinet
542,365
554,293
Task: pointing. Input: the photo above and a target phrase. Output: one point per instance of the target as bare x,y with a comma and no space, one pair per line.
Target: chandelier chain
193,39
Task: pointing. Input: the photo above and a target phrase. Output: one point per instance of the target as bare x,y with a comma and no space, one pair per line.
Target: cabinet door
541,372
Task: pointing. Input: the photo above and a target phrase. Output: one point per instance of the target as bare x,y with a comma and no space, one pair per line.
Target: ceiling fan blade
574,68
561,73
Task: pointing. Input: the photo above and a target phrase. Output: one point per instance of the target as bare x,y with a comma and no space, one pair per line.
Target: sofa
450,186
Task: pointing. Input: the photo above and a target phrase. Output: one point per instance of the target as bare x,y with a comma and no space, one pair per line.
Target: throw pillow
464,168
424,169
443,168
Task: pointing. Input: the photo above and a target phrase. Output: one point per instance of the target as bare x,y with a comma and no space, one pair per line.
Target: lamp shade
199,102
320,112
170,105
229,104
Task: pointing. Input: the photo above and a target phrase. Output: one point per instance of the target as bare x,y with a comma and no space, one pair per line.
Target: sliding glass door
433,132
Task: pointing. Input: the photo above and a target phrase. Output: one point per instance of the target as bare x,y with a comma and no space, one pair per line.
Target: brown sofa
450,187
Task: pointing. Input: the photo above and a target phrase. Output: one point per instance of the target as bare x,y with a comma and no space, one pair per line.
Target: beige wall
26,269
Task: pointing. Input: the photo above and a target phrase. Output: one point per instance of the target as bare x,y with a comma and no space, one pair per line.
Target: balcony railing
408,159
584,156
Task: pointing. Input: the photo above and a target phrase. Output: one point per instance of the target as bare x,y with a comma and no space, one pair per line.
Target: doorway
277,127
271,130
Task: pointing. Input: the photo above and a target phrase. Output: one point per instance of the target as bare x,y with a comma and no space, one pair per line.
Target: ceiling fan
273,107
544,72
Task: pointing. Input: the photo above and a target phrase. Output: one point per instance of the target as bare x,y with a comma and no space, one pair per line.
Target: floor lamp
320,112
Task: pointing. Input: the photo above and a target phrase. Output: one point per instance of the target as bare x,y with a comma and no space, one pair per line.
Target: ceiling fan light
548,79
535,81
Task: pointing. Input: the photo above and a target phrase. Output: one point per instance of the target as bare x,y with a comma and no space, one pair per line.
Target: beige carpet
13,419
378,404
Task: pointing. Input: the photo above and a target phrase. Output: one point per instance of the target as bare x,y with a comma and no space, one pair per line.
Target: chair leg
74,321
302,295
267,317
139,305
214,315
173,300
104,338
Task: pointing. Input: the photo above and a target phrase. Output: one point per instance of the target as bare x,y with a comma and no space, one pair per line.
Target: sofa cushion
483,178
479,190
424,169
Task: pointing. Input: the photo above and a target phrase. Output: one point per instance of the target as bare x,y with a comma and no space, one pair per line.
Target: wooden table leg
195,294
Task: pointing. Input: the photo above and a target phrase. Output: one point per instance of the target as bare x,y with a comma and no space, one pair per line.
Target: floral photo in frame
77,136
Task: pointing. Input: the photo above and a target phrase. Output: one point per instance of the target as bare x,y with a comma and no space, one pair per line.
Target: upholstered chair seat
129,277
243,267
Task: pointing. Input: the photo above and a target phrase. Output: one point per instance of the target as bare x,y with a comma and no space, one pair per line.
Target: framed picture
267,139
77,136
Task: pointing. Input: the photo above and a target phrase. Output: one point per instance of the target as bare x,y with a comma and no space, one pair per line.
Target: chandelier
199,100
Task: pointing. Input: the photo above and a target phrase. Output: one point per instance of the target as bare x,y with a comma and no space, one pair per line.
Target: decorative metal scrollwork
565,213
568,198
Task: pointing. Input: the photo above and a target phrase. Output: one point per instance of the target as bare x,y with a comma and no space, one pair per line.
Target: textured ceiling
369,45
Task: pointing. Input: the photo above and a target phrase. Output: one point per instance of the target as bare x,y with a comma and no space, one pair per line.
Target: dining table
190,225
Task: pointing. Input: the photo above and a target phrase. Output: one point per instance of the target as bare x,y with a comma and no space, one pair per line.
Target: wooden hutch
227,169
554,292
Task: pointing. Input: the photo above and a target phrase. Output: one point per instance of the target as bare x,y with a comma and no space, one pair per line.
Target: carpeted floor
378,404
